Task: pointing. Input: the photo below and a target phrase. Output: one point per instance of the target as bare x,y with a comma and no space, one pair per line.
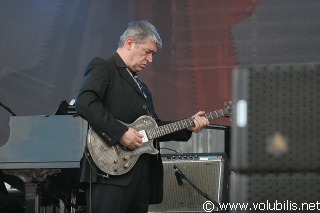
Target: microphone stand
8,109
203,194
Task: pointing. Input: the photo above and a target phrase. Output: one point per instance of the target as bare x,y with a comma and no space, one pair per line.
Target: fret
166,130
178,125
159,133
161,130
156,132
214,114
187,123
174,125
217,115
171,128
151,134
182,124
207,115
191,122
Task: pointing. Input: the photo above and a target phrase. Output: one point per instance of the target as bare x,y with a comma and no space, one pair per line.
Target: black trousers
134,198
9,204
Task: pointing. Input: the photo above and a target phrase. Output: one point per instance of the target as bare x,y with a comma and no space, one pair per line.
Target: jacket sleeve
89,105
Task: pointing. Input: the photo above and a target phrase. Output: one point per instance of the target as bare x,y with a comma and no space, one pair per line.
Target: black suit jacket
108,94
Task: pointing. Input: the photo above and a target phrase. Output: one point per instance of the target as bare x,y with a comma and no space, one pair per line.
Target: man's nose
149,58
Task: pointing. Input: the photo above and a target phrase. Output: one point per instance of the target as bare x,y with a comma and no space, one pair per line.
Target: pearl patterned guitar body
118,160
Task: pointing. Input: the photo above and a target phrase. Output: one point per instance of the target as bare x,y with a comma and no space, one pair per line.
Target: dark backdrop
46,44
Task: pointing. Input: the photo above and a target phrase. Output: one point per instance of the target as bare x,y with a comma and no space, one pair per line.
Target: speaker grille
264,191
206,172
282,132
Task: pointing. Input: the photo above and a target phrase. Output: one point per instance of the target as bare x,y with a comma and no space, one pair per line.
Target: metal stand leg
61,206
32,199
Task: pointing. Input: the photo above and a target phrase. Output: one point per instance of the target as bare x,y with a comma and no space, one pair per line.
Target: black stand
8,109
179,173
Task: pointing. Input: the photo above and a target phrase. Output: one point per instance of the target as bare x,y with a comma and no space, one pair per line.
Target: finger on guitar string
200,122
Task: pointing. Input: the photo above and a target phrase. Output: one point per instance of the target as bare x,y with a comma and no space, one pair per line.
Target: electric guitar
118,160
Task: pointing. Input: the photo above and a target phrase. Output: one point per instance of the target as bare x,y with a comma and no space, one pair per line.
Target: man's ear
129,43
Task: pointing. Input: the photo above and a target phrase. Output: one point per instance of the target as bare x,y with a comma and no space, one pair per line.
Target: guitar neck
179,125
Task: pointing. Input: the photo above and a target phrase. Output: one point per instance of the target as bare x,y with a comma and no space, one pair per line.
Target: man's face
141,55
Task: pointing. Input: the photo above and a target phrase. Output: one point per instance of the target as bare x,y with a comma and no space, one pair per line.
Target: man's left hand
200,122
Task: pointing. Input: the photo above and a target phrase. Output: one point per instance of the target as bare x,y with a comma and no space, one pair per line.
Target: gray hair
140,31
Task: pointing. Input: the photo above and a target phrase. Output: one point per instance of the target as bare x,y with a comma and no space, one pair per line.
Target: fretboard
179,125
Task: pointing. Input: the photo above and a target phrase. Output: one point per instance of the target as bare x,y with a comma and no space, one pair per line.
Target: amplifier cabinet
209,172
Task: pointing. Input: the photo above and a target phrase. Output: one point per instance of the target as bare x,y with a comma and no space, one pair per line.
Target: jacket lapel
125,74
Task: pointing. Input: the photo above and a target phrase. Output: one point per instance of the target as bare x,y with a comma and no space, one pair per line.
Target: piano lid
55,141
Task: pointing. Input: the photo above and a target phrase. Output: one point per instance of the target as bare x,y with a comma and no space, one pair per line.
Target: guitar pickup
145,137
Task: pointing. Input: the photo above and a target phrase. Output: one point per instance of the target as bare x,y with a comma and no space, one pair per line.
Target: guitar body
117,159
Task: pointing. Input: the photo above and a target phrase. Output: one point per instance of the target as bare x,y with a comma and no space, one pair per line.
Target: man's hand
200,122
131,139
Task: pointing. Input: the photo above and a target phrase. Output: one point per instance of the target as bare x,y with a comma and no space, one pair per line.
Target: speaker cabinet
276,139
276,118
209,172
275,192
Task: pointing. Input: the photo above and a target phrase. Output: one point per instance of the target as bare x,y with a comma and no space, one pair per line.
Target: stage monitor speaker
209,172
276,118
